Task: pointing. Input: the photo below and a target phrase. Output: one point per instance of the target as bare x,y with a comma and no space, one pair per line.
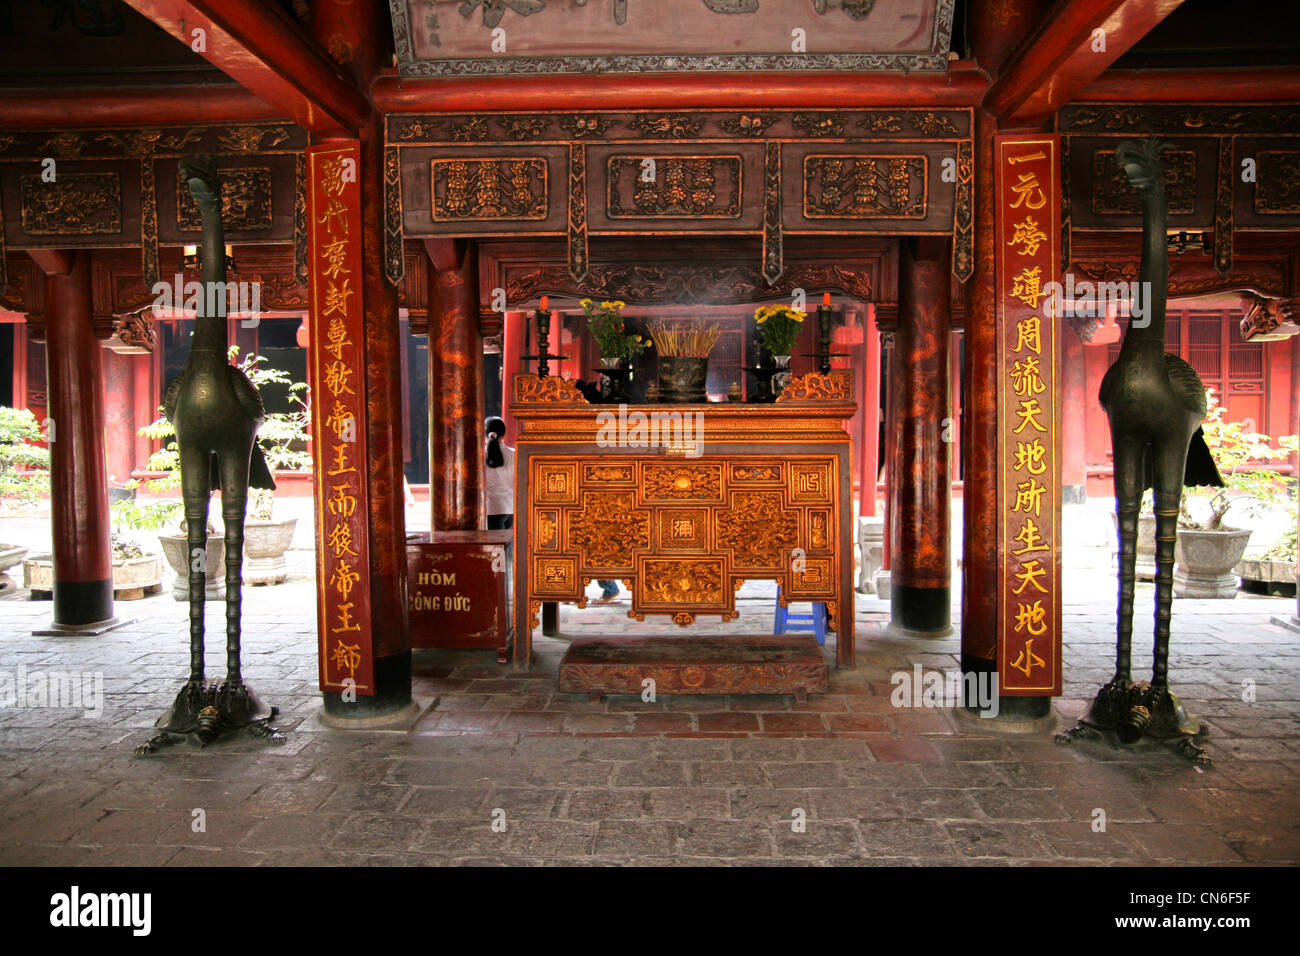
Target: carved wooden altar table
684,503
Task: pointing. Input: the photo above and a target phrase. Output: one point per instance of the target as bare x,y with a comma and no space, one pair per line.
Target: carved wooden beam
69,109
962,85
1270,84
265,52
1059,59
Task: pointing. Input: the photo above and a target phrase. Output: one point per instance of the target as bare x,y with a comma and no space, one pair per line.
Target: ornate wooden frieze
577,218
75,204
1112,194
1277,182
673,187
489,189
245,200
459,129
687,282
394,260
836,385
552,389
149,222
1158,118
864,187
1065,206
773,240
963,218
300,256
1270,318
132,335
159,142
1223,208
1191,275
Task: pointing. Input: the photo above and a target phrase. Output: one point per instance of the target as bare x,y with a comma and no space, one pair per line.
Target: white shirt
499,488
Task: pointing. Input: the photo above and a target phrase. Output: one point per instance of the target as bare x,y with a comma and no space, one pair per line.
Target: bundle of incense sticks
693,341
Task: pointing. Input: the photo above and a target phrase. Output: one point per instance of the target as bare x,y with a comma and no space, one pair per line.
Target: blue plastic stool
817,618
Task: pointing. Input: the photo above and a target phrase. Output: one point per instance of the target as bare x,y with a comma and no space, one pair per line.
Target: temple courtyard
504,769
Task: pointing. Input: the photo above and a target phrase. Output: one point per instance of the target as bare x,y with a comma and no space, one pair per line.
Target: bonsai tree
24,465
1240,455
283,436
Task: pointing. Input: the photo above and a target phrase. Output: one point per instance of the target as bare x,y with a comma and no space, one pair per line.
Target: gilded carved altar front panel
683,535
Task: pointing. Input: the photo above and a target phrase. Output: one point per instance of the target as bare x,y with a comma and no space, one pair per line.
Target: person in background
608,592
499,489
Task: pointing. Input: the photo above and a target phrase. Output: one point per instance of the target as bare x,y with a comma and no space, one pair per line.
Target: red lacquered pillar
83,568
979,611
119,417
353,33
1074,421
920,586
456,397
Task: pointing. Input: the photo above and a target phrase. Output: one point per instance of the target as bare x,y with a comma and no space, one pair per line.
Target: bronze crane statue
1155,402
216,412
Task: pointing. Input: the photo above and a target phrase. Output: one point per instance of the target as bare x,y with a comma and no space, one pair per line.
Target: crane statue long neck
210,334
1147,331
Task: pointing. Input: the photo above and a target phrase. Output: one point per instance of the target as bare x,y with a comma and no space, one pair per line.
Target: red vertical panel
340,459
1029,415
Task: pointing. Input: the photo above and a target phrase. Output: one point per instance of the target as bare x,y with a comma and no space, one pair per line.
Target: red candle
826,299
543,303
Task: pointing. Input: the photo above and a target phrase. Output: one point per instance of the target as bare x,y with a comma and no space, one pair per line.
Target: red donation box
459,592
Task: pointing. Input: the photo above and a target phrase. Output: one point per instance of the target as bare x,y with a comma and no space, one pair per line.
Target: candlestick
825,316
543,337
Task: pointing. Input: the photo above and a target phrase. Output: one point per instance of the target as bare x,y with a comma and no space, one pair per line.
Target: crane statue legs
216,412
1155,402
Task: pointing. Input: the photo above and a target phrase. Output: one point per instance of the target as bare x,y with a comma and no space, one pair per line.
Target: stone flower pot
175,549
11,555
133,578
1205,560
1267,577
265,543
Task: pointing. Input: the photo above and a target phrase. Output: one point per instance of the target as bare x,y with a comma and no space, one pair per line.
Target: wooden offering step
735,664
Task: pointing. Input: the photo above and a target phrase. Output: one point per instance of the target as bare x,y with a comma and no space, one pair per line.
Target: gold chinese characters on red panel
1029,415
339,442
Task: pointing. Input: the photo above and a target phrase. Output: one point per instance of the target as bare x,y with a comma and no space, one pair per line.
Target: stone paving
846,778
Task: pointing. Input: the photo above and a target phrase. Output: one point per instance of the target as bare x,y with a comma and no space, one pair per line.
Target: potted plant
283,440
24,472
683,351
616,344
778,327
1207,549
1273,571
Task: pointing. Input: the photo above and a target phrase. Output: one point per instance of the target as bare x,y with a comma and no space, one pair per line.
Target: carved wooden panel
1113,194
1277,183
489,189
75,204
666,187
683,533
245,201
864,187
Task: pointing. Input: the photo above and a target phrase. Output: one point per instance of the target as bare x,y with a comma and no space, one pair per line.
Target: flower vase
782,377
614,380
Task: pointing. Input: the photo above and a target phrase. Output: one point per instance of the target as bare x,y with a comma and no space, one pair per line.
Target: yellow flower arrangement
778,327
